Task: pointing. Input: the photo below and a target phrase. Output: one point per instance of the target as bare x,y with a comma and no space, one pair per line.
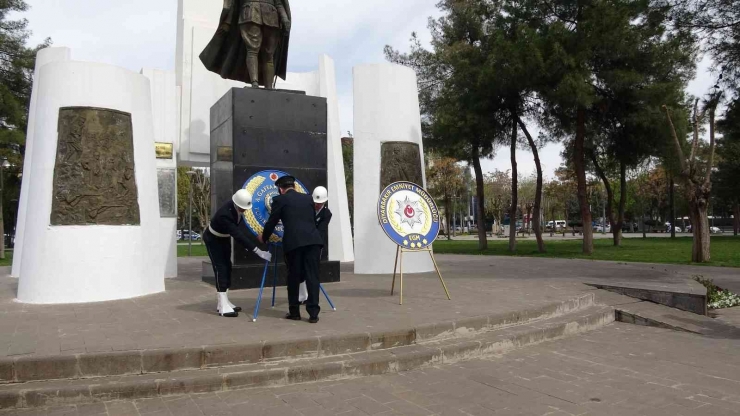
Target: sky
137,34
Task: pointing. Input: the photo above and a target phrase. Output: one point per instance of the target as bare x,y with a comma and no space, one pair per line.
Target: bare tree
202,197
697,180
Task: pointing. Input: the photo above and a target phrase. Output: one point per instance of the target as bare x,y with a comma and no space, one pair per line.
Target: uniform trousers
219,251
303,262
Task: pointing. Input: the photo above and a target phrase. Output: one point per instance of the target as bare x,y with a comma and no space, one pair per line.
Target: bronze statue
251,43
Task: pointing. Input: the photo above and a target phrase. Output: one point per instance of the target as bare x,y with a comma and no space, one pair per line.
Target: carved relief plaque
94,181
400,161
167,179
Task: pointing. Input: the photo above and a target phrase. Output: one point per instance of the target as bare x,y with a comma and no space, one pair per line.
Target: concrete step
300,370
24,369
648,313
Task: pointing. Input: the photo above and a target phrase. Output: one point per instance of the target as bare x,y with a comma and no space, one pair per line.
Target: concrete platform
686,295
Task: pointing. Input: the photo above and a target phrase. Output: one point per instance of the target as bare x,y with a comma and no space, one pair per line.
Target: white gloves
302,292
265,255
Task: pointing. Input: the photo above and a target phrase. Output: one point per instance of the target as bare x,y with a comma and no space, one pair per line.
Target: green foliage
727,177
725,250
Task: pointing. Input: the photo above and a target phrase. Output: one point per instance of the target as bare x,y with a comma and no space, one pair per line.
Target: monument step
464,345
141,362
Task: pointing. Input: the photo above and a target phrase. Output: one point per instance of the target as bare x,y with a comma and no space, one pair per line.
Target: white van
558,224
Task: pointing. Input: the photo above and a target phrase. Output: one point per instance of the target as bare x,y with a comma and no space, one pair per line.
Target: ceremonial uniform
323,217
302,245
225,224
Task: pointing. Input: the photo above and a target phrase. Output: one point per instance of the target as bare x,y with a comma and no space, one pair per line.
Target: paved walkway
185,314
621,369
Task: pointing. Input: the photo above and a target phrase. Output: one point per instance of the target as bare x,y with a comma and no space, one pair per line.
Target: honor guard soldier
224,226
323,214
302,244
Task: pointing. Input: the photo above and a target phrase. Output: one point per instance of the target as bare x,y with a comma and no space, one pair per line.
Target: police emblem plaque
410,218
262,187
408,215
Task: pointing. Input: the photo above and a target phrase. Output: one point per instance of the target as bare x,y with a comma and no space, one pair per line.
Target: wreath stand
272,248
396,266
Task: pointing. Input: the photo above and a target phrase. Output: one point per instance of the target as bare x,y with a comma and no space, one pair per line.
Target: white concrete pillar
43,57
71,264
386,109
164,112
340,228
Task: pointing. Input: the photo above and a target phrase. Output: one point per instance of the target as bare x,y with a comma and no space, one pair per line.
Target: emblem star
409,212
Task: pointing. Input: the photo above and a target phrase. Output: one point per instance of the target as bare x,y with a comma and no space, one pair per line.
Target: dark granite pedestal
254,130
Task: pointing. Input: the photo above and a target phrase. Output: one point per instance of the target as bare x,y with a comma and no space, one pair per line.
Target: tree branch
679,152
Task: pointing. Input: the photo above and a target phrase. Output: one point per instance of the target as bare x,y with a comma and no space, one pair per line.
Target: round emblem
262,187
408,215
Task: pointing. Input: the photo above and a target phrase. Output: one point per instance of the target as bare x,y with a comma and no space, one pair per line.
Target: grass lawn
199,249
725,250
8,260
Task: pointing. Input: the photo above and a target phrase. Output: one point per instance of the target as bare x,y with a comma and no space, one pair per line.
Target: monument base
249,276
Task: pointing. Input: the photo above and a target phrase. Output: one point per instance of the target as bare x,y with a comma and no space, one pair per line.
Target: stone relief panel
400,161
94,181
167,180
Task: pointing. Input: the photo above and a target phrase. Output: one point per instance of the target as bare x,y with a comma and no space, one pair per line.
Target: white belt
217,234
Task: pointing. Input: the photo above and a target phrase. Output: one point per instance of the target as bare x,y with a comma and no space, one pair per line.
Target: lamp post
191,174
4,165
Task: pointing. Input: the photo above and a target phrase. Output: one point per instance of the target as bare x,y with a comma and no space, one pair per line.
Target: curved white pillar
70,264
43,57
386,109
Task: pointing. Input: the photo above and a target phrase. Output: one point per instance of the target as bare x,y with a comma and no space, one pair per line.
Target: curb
139,362
367,363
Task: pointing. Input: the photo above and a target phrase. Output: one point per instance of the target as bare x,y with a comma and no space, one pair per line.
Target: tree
498,194
607,61
183,197
349,170
202,198
456,119
696,176
444,179
726,181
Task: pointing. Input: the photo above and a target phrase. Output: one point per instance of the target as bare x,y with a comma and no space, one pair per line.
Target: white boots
226,308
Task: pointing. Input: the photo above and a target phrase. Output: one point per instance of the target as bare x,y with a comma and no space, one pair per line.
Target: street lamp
191,174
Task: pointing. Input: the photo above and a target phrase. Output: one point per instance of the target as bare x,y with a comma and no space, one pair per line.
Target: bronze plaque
224,154
400,161
163,150
94,181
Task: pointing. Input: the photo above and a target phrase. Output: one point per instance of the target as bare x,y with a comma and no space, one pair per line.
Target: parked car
715,230
601,228
185,234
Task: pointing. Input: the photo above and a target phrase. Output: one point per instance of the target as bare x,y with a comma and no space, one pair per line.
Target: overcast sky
139,34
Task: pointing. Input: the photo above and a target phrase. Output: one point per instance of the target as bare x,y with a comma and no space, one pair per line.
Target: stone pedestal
254,130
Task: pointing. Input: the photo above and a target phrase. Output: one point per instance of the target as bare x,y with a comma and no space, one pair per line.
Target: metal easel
396,266
270,248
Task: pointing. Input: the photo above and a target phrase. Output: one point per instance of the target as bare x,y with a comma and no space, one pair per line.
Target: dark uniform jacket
296,211
227,221
322,223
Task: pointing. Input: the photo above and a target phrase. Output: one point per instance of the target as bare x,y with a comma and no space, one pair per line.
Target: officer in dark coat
225,225
302,244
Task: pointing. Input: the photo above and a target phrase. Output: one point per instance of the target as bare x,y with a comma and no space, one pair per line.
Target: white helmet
242,199
320,195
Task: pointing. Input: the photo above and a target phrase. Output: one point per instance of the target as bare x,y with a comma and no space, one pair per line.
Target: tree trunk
622,204
672,202
514,194
609,199
538,196
480,193
448,217
700,251
580,164
736,220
